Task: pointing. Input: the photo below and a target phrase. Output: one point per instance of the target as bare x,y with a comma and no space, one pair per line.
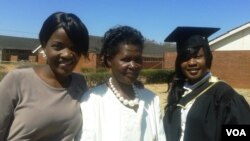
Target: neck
204,78
53,79
132,103
125,90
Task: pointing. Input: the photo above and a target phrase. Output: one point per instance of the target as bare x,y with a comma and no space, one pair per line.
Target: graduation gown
213,107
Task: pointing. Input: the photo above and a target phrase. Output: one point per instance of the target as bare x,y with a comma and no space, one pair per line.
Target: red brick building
17,49
28,49
152,55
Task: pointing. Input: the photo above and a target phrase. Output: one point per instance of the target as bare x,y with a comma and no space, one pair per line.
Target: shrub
2,74
87,70
94,79
92,70
147,76
150,76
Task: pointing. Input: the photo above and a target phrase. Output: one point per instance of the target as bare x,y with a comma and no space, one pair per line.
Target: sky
154,18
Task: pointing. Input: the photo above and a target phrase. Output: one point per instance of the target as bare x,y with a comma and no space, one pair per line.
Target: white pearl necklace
130,103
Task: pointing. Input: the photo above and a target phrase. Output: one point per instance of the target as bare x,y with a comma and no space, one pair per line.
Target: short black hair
73,26
119,35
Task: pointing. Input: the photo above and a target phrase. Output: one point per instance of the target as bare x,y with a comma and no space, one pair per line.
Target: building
28,49
152,55
17,48
231,53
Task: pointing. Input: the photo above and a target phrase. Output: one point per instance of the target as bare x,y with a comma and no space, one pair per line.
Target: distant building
17,48
28,49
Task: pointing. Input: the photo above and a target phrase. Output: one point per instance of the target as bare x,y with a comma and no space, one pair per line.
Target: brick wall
32,58
83,62
13,58
41,59
152,64
86,62
231,66
169,60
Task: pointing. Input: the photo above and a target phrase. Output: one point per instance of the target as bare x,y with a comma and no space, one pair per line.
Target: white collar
189,88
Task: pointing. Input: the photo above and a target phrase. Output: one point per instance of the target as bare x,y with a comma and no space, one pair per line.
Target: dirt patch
245,93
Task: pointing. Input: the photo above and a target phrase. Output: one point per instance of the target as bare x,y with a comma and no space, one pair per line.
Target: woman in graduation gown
198,103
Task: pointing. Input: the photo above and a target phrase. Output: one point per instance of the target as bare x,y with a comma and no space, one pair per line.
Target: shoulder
78,76
95,92
225,94
223,89
98,90
147,95
146,92
232,104
224,85
22,71
14,80
18,74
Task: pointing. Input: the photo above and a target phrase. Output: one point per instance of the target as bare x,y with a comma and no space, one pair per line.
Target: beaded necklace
126,102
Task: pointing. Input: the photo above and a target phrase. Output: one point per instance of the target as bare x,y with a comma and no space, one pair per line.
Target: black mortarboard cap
186,37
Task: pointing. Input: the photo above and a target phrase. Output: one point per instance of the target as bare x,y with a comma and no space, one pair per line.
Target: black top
219,105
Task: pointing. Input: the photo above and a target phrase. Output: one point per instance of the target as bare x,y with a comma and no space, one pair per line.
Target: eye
57,46
138,59
75,49
126,59
198,56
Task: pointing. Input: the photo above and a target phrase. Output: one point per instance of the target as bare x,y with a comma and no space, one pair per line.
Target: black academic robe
217,106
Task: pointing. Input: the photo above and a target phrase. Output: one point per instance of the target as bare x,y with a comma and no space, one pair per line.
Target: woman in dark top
199,103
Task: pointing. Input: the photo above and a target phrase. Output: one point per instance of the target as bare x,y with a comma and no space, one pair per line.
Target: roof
10,42
151,49
155,50
229,33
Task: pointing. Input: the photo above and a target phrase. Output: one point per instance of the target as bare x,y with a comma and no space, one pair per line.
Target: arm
231,108
159,122
8,91
234,109
88,131
238,111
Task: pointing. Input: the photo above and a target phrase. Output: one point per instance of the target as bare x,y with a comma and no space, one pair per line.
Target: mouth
66,63
132,75
193,71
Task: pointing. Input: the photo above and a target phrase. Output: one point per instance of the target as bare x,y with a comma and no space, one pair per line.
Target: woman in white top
118,110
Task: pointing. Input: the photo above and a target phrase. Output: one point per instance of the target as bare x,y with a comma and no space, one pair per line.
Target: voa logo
236,132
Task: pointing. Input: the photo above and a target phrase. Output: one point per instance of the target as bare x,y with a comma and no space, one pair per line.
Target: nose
66,53
134,65
192,61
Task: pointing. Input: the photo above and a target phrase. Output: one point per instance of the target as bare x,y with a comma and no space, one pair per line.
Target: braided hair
116,36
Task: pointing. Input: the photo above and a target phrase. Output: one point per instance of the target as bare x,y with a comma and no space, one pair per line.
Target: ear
43,44
108,61
44,51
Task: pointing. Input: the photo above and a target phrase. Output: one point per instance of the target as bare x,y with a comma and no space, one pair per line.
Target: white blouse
105,118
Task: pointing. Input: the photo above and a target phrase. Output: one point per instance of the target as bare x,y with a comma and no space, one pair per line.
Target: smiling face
62,56
126,64
194,67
